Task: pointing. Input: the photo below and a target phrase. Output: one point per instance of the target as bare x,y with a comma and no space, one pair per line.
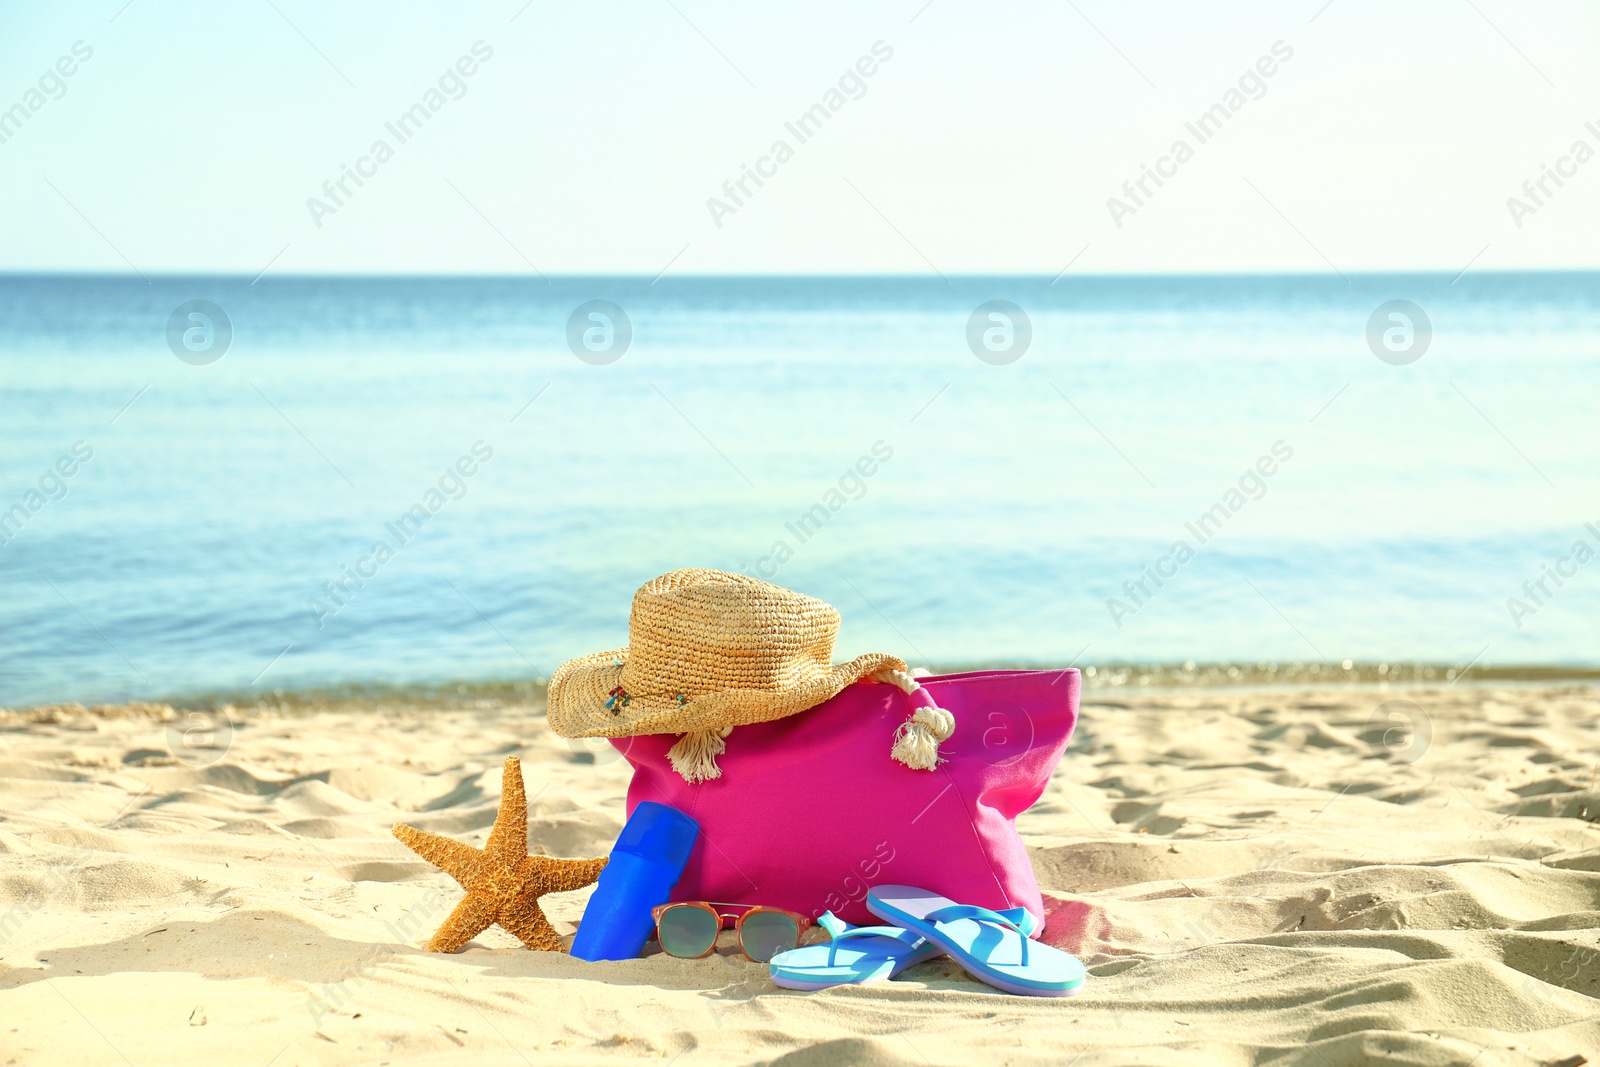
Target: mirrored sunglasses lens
686,931
766,933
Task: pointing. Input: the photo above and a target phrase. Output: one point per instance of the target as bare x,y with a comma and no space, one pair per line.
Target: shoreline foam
1113,676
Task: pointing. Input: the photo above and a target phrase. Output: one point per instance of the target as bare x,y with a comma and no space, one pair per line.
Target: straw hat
709,651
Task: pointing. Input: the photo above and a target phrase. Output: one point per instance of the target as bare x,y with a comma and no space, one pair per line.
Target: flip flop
861,953
992,946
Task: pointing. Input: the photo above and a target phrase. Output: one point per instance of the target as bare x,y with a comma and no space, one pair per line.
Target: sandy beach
385,387
1327,875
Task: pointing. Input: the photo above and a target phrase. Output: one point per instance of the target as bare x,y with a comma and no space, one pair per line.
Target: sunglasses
689,929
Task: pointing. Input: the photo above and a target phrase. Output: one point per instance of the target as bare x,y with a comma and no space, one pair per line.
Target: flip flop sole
795,977
789,982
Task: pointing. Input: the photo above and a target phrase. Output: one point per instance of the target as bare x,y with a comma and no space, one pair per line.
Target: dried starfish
502,881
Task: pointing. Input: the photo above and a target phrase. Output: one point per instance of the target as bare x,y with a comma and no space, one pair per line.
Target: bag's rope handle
916,741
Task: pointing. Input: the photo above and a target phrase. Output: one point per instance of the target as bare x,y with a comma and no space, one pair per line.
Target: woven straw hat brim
580,688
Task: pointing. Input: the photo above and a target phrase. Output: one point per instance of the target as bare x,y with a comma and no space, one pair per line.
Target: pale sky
989,140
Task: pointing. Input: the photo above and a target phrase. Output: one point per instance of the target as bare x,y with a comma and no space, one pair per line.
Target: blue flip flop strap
1022,919
839,930
972,911
856,931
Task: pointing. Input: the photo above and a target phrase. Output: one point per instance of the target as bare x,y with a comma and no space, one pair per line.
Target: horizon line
151,276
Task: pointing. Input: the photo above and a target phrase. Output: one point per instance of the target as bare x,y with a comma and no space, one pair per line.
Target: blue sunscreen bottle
646,862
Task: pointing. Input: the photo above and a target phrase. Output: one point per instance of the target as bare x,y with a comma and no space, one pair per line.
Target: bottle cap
658,833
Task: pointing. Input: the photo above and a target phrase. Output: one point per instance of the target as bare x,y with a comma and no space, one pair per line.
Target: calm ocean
238,524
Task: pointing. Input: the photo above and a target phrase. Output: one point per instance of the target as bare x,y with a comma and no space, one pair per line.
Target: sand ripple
1319,876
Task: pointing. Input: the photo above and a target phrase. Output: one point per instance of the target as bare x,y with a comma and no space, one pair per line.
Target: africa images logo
52,85
337,192
1137,191
804,127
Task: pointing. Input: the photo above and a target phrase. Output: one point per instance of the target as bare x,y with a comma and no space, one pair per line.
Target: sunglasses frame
802,923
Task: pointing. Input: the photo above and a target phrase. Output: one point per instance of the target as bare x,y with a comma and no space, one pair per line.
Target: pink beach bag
810,810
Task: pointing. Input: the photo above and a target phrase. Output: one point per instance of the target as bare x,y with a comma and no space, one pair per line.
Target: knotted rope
916,741
695,755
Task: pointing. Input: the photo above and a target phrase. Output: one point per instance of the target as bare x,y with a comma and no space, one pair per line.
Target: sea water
330,481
